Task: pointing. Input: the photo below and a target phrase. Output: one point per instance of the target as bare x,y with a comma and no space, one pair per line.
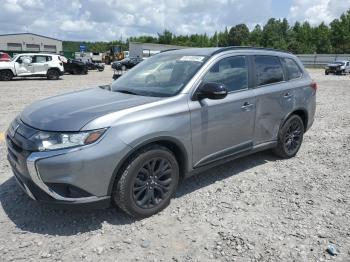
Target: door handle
287,95
246,106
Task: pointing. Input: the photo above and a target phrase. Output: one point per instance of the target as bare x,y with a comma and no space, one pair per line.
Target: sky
105,20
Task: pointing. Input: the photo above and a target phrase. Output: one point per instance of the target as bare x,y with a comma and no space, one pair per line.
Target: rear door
40,63
224,127
275,97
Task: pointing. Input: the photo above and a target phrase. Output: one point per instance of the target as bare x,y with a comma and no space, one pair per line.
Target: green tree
238,35
255,37
165,38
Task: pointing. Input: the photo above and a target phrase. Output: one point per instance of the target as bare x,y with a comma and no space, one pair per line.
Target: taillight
313,85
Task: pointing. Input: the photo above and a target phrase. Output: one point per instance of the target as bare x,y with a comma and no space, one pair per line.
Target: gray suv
173,115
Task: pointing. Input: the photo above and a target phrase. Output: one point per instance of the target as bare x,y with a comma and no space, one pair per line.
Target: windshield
340,63
161,75
14,58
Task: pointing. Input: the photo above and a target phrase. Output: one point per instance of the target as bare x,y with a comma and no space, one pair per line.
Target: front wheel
148,182
290,137
6,75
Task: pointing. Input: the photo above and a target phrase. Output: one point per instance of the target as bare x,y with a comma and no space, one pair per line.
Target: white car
338,68
33,65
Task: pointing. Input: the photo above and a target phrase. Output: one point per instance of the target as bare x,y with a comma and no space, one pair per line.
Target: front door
24,65
221,128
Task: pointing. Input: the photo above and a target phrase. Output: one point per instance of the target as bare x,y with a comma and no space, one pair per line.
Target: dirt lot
257,208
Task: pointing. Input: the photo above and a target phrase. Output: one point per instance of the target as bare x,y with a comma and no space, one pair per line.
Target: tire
101,69
6,75
326,73
53,74
140,192
290,137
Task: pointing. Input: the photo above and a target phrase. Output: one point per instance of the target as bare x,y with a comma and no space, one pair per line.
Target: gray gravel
258,208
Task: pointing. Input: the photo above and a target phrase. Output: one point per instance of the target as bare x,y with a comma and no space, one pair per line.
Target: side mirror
211,90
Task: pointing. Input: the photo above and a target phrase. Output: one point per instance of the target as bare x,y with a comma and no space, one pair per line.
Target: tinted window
293,69
231,71
268,70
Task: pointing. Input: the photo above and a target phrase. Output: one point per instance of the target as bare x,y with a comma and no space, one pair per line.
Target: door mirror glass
212,90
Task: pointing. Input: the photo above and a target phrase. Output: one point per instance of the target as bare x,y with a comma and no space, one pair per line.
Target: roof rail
228,48
166,50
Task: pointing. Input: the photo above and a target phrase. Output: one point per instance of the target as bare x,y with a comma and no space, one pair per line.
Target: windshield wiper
124,91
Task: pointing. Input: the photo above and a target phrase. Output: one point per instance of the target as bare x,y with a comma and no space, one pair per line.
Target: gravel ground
258,208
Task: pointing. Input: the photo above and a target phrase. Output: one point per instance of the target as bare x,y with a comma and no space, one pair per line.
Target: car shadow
34,79
32,216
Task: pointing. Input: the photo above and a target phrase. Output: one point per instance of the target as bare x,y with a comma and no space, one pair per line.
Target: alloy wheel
293,136
152,183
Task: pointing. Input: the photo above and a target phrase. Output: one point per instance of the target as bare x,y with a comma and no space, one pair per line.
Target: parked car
338,68
4,57
133,141
32,65
75,67
126,63
95,66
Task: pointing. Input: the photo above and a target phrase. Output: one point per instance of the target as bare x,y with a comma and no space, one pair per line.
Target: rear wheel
290,137
148,182
53,74
6,75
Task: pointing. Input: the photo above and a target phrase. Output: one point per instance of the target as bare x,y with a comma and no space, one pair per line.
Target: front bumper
81,175
38,194
36,189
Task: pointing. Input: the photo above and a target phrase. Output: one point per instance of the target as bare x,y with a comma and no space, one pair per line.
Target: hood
334,65
6,64
72,111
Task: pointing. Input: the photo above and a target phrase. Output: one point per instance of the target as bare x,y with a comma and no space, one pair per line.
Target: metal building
28,42
137,49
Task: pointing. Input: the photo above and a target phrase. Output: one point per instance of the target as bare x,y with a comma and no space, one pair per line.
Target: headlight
52,140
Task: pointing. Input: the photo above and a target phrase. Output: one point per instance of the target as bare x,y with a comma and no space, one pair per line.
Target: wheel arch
174,145
53,68
8,69
302,113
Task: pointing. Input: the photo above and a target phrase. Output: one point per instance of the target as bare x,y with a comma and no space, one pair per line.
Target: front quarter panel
167,119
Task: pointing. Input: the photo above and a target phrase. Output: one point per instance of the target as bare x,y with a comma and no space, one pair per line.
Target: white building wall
148,49
30,42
